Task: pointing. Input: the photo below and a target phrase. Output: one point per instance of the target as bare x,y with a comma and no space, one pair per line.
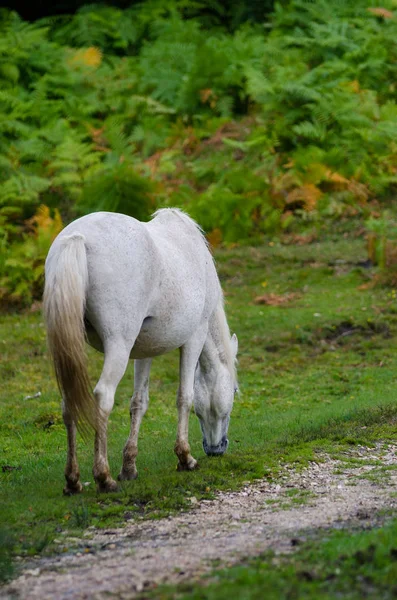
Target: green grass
318,373
291,499
355,566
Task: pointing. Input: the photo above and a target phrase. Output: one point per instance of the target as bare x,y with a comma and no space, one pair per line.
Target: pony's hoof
71,489
190,465
127,475
108,486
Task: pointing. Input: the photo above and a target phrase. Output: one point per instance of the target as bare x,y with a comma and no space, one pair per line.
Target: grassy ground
319,371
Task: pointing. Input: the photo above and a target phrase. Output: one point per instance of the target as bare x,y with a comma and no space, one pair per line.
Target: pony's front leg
190,354
72,473
115,364
139,404
182,447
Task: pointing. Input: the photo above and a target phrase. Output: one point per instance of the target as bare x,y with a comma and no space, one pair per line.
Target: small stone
32,572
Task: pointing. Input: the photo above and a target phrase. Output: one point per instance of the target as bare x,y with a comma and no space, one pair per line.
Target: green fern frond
301,93
311,131
21,189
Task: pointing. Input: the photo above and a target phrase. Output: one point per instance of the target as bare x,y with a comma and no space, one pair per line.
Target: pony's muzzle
216,450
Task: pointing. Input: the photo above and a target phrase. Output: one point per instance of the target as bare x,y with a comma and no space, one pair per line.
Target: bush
382,246
22,262
118,189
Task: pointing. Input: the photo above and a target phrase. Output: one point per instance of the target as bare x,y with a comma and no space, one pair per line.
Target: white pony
137,290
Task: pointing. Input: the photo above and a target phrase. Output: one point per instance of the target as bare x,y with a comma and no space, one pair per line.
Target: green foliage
117,189
81,515
105,27
6,561
382,245
235,204
22,262
254,130
194,72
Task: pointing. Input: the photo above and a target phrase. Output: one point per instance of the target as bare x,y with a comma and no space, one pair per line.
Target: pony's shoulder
176,214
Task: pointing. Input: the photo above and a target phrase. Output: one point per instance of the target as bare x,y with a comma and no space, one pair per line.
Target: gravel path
122,562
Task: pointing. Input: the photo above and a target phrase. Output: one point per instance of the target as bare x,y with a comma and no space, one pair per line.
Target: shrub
118,188
22,262
382,246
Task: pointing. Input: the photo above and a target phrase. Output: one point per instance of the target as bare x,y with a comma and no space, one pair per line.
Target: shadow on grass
7,544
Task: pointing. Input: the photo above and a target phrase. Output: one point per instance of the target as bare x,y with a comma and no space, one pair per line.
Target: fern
231,122
72,162
117,188
22,264
310,130
22,189
96,25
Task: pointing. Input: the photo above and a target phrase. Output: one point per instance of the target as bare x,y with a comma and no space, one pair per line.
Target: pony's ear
234,341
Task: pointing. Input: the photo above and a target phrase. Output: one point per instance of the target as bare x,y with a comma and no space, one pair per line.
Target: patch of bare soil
264,515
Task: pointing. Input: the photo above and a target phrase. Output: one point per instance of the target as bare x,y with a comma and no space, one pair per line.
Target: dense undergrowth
257,128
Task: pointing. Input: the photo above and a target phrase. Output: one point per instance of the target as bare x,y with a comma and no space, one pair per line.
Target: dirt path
263,515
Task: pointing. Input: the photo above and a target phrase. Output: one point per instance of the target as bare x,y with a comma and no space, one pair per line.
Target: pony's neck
217,348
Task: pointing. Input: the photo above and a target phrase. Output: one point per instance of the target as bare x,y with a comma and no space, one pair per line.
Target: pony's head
215,385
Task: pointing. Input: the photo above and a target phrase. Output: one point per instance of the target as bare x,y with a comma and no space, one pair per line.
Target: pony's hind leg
139,404
115,363
72,474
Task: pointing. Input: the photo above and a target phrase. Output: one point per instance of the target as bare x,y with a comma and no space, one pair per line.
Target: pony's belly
158,335
156,340
144,347
152,340
145,351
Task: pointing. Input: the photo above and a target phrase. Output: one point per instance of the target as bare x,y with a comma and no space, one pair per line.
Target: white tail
64,305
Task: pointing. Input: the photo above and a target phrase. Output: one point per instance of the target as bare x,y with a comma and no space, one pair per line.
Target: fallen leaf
275,299
369,285
381,12
308,193
215,238
205,95
300,240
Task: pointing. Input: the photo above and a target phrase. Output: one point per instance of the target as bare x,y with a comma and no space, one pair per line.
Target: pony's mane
224,332
177,213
